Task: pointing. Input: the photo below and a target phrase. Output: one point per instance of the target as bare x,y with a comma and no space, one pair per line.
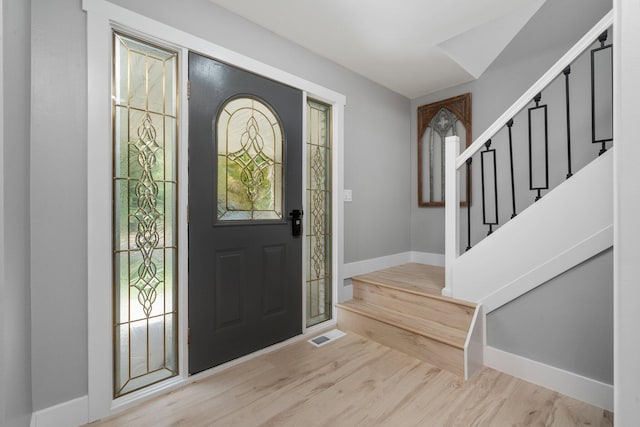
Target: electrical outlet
348,196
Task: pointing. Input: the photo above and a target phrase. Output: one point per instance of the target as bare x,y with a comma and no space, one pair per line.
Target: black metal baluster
469,160
537,99
513,185
566,73
489,153
594,140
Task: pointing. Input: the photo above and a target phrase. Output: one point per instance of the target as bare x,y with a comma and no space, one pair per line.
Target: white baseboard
373,264
568,383
71,413
368,265
427,258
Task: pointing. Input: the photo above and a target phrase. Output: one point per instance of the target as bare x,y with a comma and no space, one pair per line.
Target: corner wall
15,324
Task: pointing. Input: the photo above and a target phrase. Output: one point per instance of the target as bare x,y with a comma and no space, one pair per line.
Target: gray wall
58,202
376,158
567,322
544,39
15,338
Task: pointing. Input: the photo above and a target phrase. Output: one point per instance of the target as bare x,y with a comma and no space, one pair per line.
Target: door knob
296,222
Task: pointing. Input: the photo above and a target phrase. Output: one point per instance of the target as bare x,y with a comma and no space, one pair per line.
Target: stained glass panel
144,215
318,213
250,166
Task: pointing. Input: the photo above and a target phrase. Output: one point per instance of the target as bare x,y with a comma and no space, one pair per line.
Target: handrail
553,72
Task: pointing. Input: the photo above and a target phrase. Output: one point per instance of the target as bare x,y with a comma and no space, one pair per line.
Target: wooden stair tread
424,327
412,276
418,279
447,311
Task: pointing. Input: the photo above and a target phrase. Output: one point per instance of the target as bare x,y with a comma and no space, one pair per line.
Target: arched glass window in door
250,167
145,310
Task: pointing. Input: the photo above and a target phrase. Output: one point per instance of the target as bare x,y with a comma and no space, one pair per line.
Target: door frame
102,18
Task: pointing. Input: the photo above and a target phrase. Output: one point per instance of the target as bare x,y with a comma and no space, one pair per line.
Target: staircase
402,307
551,224
543,234
555,212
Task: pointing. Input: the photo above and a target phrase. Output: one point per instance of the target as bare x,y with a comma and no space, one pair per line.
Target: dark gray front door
245,166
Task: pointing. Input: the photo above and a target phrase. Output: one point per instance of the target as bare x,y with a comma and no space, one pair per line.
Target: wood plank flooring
412,276
356,382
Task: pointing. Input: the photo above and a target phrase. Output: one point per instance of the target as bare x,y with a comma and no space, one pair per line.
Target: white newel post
451,210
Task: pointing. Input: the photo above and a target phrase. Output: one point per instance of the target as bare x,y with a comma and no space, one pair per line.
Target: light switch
348,196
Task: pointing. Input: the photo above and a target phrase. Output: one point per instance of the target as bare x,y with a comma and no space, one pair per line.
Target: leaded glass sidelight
145,313
318,213
250,168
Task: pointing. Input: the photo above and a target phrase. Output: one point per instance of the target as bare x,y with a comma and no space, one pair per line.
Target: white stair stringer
570,224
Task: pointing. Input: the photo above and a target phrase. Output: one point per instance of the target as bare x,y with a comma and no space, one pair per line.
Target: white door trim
102,18
5,321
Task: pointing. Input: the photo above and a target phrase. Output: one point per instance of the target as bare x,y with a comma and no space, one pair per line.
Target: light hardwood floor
412,276
356,382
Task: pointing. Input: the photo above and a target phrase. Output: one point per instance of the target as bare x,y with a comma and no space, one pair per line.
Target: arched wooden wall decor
449,117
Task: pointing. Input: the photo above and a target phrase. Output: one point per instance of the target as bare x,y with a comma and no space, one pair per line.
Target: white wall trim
374,264
338,206
4,321
475,343
427,258
626,268
71,413
553,267
451,211
102,16
568,383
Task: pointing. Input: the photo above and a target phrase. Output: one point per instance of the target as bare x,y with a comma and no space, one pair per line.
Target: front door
245,178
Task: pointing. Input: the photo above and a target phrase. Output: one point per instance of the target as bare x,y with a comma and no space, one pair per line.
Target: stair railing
456,161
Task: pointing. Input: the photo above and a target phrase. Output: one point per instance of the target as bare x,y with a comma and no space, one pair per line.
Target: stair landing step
418,279
424,327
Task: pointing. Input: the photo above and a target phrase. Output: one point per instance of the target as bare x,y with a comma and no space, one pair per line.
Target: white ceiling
413,47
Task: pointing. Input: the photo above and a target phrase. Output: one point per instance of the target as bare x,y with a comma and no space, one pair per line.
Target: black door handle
296,222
